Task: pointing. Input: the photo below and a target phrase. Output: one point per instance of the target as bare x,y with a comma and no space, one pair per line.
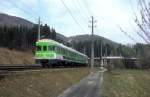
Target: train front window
38,48
44,48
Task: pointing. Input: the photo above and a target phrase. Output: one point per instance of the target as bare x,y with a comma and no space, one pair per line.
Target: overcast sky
109,14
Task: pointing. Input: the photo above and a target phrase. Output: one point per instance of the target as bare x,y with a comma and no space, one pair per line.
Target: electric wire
69,11
33,11
85,12
30,14
82,15
127,34
87,7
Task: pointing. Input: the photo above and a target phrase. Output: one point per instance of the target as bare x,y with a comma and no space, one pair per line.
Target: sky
108,15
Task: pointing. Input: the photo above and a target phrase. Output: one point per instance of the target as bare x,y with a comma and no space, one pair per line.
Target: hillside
7,20
61,38
13,57
86,37
82,43
11,21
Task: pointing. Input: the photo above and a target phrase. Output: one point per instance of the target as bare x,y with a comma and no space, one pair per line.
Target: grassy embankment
127,83
13,57
46,83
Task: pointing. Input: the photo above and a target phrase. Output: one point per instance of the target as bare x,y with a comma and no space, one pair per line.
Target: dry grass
45,83
13,57
127,83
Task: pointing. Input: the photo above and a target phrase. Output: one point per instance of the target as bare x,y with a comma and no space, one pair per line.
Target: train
50,53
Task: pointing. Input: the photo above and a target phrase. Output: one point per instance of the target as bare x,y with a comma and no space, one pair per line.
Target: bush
145,60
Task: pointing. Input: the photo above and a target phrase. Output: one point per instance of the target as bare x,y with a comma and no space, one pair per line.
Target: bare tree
143,20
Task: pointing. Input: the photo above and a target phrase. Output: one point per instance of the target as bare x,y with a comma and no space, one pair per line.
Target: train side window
58,49
44,48
54,48
61,51
51,48
38,48
65,51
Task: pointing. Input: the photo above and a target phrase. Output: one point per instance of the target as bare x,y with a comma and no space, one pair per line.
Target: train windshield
38,48
44,48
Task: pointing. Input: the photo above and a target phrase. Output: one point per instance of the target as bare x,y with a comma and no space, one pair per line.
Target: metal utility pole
92,42
84,50
106,55
101,54
39,29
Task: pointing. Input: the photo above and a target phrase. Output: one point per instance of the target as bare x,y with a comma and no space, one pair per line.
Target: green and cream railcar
51,53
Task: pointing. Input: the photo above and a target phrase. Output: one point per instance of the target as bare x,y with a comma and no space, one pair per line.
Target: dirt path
88,87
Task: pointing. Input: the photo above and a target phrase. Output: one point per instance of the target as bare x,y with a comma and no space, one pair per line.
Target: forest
138,50
23,38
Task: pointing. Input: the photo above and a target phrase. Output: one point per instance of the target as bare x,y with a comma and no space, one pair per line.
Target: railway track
19,68
31,67
9,70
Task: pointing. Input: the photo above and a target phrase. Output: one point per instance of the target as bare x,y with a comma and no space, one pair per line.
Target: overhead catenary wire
83,7
127,34
80,16
33,11
35,14
87,7
73,17
83,15
29,13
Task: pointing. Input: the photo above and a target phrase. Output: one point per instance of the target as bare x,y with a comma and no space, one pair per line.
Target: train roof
59,44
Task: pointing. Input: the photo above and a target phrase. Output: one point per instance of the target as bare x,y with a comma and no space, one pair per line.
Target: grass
48,83
126,83
13,57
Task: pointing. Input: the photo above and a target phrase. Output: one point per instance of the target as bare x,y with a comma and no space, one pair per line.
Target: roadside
126,83
48,83
13,57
